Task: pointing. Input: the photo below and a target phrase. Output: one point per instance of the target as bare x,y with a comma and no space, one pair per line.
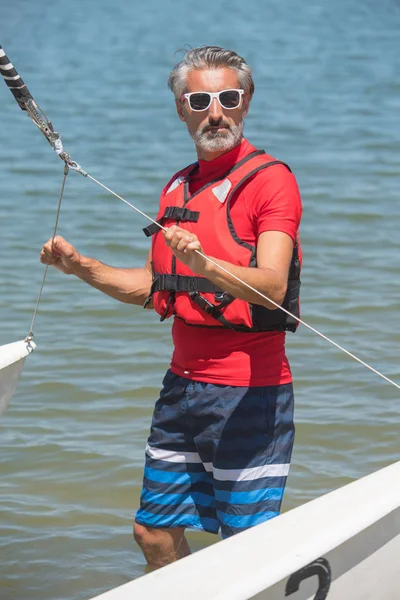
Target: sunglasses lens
199,101
230,99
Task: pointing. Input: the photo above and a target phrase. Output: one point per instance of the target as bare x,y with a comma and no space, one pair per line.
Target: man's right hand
131,286
62,255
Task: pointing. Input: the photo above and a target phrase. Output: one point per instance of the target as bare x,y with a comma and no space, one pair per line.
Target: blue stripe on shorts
217,457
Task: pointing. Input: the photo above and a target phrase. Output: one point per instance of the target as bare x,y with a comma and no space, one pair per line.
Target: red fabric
216,240
272,202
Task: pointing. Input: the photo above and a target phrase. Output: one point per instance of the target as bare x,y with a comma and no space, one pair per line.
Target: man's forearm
266,281
131,286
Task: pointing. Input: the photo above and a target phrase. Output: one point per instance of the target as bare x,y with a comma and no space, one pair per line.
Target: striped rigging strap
27,103
12,356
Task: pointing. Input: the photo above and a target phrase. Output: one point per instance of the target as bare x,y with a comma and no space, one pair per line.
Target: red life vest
176,290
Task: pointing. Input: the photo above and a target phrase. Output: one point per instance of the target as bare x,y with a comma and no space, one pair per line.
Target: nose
215,110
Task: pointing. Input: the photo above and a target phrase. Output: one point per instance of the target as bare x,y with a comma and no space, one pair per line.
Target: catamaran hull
342,546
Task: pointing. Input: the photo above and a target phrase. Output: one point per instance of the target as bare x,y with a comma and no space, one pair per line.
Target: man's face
216,129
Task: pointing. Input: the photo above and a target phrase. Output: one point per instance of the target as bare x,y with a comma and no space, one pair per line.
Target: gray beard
219,141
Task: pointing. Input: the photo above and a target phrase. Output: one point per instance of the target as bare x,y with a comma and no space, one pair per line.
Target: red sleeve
275,201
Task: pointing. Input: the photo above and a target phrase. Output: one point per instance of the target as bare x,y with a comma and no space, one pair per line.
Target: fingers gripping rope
26,102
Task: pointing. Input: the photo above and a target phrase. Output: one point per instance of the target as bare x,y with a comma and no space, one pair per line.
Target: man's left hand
184,244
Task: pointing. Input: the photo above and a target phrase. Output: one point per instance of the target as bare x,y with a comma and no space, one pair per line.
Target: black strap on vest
181,214
177,213
214,309
182,283
153,228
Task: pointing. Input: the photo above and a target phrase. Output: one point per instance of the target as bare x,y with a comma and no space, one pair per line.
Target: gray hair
209,57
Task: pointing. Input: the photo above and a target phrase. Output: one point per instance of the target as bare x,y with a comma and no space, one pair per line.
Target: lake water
327,102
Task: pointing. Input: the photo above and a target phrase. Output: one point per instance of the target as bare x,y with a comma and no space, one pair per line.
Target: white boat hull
342,546
12,358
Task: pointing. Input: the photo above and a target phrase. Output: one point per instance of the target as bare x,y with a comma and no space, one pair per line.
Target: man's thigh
252,457
177,487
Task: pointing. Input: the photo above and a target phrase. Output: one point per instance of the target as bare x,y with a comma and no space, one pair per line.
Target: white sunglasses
199,101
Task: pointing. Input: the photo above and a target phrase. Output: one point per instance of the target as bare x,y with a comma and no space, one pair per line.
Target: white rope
79,170
302,322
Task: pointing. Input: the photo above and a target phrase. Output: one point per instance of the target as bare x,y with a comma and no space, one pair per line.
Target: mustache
211,126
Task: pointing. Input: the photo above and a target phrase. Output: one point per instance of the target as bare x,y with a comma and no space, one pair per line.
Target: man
222,431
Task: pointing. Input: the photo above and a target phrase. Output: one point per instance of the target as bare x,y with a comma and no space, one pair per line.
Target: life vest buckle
204,304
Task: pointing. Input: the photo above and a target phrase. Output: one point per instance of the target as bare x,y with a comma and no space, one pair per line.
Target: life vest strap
153,228
181,214
177,213
182,283
214,310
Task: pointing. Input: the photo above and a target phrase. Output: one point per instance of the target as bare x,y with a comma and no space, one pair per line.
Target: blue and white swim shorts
217,457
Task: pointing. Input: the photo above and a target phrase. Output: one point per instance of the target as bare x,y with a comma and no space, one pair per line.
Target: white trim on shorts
272,470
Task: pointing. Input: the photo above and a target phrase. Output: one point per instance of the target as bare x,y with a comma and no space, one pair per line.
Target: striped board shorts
217,457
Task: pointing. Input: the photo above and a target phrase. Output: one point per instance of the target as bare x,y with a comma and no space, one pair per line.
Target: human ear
246,106
180,111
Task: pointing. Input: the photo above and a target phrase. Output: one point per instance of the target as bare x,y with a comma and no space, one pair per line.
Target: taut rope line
27,103
29,337
325,337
